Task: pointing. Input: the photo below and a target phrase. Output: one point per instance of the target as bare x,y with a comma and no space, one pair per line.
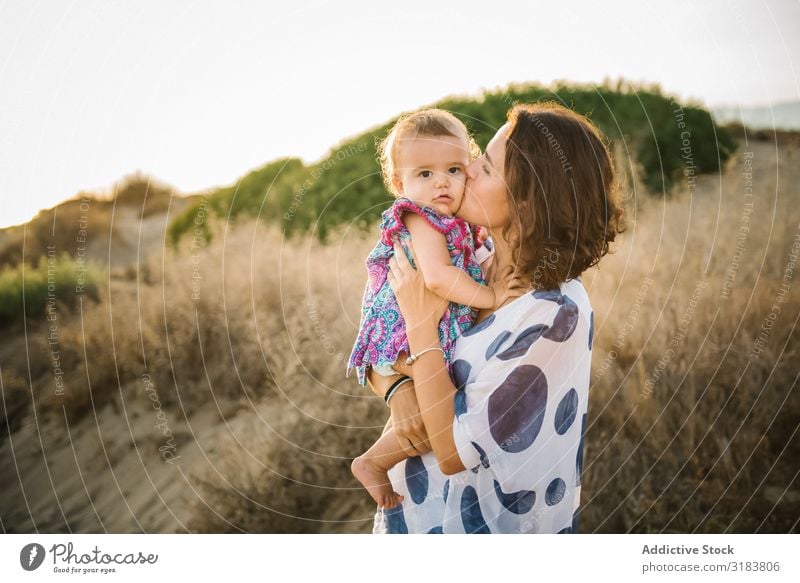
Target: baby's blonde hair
427,122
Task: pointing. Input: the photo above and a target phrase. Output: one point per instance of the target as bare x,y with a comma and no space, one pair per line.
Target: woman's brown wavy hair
563,194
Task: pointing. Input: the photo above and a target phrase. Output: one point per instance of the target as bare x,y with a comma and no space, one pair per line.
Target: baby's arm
441,276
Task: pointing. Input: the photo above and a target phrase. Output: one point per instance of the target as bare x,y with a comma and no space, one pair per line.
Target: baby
423,160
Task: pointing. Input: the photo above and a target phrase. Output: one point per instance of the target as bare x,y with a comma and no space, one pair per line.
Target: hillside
116,232
665,140
64,252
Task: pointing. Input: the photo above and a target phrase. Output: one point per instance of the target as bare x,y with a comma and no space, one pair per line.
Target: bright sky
198,93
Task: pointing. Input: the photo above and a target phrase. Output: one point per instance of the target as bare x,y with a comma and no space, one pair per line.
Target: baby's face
430,171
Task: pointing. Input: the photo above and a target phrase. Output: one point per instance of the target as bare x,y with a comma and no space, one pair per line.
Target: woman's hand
420,306
406,418
401,366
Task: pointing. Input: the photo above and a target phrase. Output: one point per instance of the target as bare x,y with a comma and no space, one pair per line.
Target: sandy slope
105,473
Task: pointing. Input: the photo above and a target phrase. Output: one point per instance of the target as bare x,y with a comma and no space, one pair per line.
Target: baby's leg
372,467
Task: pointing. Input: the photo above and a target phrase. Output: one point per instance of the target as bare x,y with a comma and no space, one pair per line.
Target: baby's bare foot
376,481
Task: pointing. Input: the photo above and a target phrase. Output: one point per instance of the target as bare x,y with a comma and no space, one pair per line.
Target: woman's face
485,200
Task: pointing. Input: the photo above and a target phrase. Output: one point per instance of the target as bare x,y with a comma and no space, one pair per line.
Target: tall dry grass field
205,390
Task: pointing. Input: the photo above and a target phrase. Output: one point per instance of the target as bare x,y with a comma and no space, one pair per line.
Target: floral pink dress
382,334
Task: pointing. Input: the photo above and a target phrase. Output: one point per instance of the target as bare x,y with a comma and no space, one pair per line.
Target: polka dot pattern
555,492
460,370
416,479
528,393
497,343
579,456
553,295
523,342
482,454
516,502
471,515
516,408
395,520
564,323
480,326
566,411
460,403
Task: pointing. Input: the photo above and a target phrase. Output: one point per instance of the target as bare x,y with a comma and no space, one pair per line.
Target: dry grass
250,374
705,441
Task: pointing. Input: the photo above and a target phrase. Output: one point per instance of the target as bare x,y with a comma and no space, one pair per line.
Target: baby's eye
455,170
425,174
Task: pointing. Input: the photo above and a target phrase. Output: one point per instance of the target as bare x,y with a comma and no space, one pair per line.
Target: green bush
27,290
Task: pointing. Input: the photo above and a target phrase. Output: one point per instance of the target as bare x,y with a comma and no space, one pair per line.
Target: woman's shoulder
569,301
562,315
546,330
552,313
570,293
575,290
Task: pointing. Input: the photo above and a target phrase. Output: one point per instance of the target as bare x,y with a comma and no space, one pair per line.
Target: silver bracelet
390,393
410,360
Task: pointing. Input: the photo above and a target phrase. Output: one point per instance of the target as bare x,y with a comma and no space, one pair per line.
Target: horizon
108,193
84,114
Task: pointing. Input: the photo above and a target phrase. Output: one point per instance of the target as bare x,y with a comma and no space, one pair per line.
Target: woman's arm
441,276
435,393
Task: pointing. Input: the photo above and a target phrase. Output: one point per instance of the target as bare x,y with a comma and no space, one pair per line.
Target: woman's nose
470,170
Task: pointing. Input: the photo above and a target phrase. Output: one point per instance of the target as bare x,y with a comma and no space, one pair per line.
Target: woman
501,450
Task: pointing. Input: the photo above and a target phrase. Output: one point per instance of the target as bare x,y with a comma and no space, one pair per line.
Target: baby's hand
507,286
500,289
